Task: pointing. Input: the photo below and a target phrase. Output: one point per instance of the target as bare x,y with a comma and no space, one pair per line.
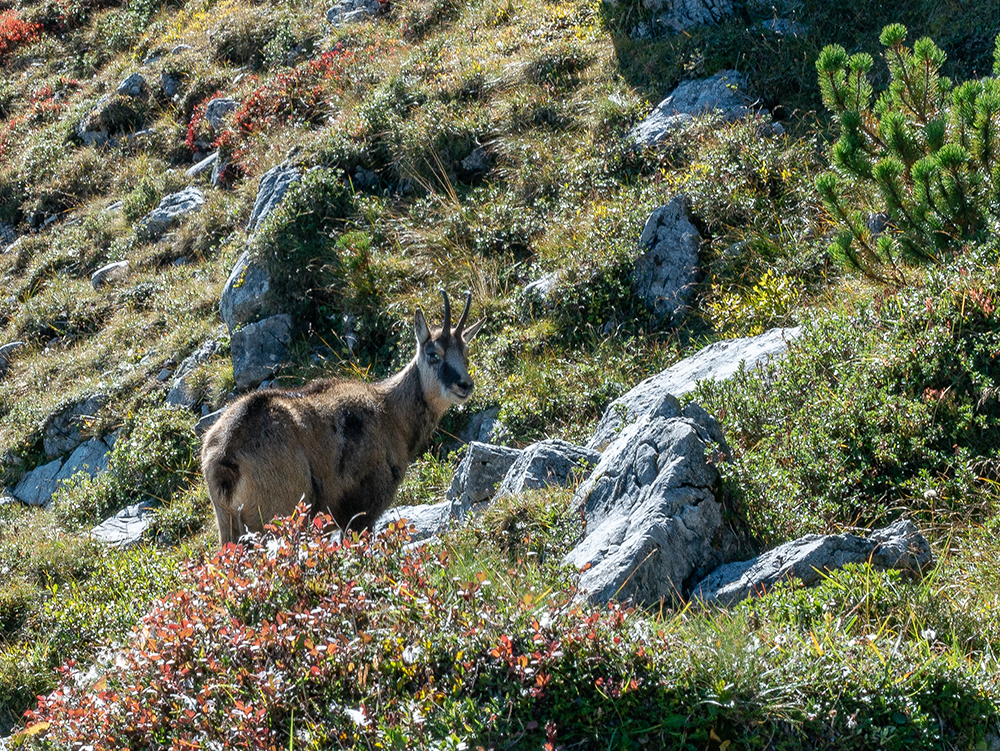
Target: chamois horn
446,324
465,314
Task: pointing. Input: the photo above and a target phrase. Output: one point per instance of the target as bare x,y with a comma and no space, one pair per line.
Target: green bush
155,455
924,151
888,407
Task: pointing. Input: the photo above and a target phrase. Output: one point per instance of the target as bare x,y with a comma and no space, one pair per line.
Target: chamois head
442,356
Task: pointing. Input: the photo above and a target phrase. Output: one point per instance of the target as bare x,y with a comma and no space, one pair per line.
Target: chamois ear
420,328
470,333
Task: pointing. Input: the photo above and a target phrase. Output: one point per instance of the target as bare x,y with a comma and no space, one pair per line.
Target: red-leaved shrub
15,31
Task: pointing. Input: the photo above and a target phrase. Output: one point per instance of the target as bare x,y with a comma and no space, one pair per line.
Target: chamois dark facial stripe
449,376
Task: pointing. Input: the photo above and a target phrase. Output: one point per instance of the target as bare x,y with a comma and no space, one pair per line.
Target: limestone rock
270,191
8,235
353,11
127,527
651,514
171,83
723,92
427,520
181,393
898,546
109,273
718,361
205,165
61,431
259,349
681,15
549,463
667,268
171,210
244,298
6,354
134,86
36,487
478,474
483,427
90,457
217,110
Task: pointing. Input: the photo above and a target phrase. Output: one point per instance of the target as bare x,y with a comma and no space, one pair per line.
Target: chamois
341,445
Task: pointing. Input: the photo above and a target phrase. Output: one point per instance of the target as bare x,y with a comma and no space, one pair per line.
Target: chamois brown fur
341,445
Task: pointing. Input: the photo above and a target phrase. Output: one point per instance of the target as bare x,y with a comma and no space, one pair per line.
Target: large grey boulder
181,393
808,559
36,487
259,349
245,296
61,431
478,474
719,361
652,518
667,268
127,527
271,191
171,210
549,463
724,92
681,15
90,457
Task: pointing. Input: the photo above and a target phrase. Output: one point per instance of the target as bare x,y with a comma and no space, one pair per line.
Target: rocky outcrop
62,430
808,559
724,92
217,110
681,15
171,210
182,393
475,481
651,513
353,11
549,463
133,86
90,457
244,298
718,361
667,268
36,487
271,191
259,349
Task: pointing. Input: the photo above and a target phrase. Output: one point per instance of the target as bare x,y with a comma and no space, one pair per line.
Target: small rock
270,191
216,111
427,520
784,27
108,274
259,349
171,210
205,165
134,86
245,296
170,82
365,179
180,48
353,11
90,457
6,353
181,393
667,269
681,15
127,527
549,463
7,235
544,288
898,546
478,474
36,487
478,161
723,92
163,375
61,431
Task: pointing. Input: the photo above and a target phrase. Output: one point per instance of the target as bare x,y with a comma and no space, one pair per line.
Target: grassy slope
548,92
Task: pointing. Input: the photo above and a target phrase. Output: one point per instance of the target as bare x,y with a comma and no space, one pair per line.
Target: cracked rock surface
652,518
